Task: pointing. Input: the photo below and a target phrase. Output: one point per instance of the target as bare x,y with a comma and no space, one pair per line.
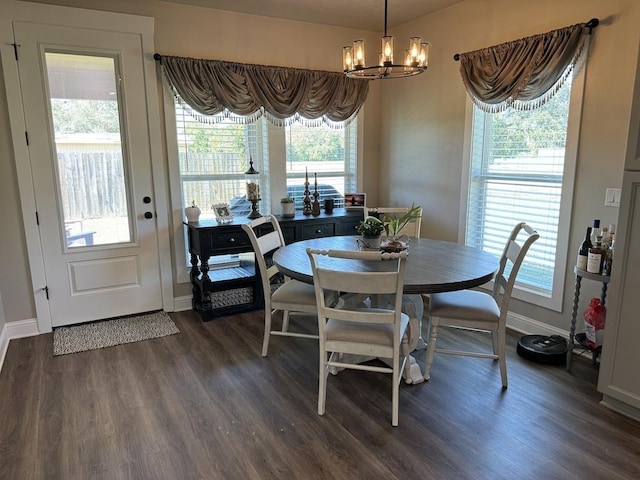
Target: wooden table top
432,265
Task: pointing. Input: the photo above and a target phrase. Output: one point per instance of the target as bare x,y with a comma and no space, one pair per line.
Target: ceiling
358,14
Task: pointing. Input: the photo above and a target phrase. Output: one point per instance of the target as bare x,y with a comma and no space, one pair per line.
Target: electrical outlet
612,197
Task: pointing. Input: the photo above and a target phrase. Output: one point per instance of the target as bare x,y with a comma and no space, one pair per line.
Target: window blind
516,174
321,152
214,157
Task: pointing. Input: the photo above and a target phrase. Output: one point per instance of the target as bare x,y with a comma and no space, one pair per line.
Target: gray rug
107,333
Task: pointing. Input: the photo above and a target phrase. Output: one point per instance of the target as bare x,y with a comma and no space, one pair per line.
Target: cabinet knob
319,230
232,240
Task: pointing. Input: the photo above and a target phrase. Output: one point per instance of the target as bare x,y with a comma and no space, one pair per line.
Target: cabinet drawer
318,230
348,227
225,240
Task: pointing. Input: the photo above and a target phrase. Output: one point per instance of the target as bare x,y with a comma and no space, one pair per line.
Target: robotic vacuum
539,348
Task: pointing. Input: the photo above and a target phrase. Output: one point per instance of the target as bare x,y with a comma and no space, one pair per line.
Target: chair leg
495,342
395,392
431,346
267,331
322,382
285,320
502,334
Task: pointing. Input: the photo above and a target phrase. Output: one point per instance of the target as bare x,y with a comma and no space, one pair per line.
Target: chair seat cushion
465,305
370,333
294,292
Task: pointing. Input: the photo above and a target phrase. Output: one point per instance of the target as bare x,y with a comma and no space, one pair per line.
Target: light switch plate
612,197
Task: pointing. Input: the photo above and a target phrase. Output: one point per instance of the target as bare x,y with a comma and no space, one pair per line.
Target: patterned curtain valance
525,73
213,90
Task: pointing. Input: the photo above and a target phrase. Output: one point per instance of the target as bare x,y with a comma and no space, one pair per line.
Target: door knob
148,215
146,199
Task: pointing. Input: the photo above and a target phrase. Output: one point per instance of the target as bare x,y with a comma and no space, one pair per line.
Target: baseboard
12,330
180,304
620,407
529,326
4,344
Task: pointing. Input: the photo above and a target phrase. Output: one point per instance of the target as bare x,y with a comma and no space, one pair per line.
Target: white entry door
83,94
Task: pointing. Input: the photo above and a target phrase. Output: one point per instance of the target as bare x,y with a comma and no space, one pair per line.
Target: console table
573,337
235,288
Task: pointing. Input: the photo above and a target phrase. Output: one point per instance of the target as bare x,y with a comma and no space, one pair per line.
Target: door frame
88,19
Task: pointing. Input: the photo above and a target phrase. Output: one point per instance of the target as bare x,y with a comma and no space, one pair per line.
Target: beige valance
524,73
213,90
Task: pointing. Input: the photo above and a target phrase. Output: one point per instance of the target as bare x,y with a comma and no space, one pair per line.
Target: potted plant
394,225
192,212
288,206
370,228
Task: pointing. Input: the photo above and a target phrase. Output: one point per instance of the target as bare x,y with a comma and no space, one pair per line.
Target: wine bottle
583,251
596,257
595,231
609,239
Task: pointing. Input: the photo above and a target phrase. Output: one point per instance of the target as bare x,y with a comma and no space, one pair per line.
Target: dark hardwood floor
203,404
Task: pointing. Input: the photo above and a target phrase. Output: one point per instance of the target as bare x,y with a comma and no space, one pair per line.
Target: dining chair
290,296
354,327
480,311
411,229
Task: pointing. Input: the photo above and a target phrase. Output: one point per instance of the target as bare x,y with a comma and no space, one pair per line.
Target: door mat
107,333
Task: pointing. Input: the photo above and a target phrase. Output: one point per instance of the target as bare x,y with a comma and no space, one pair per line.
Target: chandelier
415,60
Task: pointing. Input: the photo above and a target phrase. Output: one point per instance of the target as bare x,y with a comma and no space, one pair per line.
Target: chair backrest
412,229
512,255
263,245
347,273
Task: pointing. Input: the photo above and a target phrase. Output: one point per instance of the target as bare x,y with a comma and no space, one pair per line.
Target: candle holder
306,201
255,213
252,177
315,207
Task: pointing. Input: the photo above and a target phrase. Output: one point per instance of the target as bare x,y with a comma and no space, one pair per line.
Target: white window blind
516,174
213,159
325,152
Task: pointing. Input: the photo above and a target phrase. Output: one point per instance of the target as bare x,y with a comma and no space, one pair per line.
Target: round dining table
432,266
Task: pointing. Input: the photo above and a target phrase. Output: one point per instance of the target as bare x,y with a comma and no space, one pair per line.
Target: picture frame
222,212
355,201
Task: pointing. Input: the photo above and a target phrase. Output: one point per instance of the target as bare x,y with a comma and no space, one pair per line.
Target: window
323,153
213,159
521,169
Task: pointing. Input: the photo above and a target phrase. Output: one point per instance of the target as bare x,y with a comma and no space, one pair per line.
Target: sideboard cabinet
223,274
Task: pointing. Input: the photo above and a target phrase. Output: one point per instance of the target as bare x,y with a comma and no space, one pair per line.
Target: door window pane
90,162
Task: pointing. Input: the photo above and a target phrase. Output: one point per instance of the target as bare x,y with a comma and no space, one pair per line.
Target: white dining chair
353,328
290,296
411,229
477,310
